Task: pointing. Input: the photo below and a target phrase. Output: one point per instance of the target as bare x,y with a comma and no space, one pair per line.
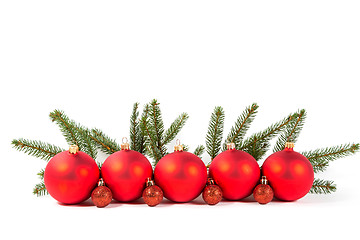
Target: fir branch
150,142
41,174
215,132
320,166
74,133
258,144
134,127
156,122
40,189
199,150
291,131
103,142
174,128
142,133
66,126
322,187
37,149
320,158
241,126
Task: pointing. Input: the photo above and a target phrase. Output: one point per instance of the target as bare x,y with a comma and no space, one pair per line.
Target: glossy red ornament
181,175
152,194
70,176
125,173
236,172
290,173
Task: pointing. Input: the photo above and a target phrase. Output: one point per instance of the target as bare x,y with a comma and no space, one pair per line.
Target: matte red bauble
290,173
125,173
70,176
181,175
236,172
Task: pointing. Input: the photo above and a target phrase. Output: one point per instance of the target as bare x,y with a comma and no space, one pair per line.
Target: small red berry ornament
70,176
236,172
125,173
290,173
263,193
152,194
181,175
212,193
101,196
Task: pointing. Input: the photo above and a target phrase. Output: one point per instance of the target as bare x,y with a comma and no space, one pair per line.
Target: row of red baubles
71,176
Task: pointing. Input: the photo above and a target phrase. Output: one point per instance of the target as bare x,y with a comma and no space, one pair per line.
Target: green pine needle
152,132
241,126
291,131
215,132
103,142
40,189
174,128
134,127
321,157
199,150
323,187
258,144
156,123
37,149
41,174
74,133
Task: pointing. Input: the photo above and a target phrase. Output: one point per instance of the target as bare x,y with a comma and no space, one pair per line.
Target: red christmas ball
125,173
181,176
152,194
212,193
263,193
236,172
70,176
290,174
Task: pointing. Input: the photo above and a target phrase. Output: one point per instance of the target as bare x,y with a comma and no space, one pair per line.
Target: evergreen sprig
37,149
153,130
74,133
241,126
258,143
323,187
104,142
41,174
291,131
40,189
174,128
215,132
321,157
134,128
199,150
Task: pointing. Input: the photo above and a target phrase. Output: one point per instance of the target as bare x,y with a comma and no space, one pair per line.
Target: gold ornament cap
178,147
125,145
289,145
149,182
210,181
263,180
73,149
230,146
101,182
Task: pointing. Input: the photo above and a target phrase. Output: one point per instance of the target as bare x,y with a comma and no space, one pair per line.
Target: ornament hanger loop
177,141
125,145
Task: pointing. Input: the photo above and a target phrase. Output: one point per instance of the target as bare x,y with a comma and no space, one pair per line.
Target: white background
94,59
